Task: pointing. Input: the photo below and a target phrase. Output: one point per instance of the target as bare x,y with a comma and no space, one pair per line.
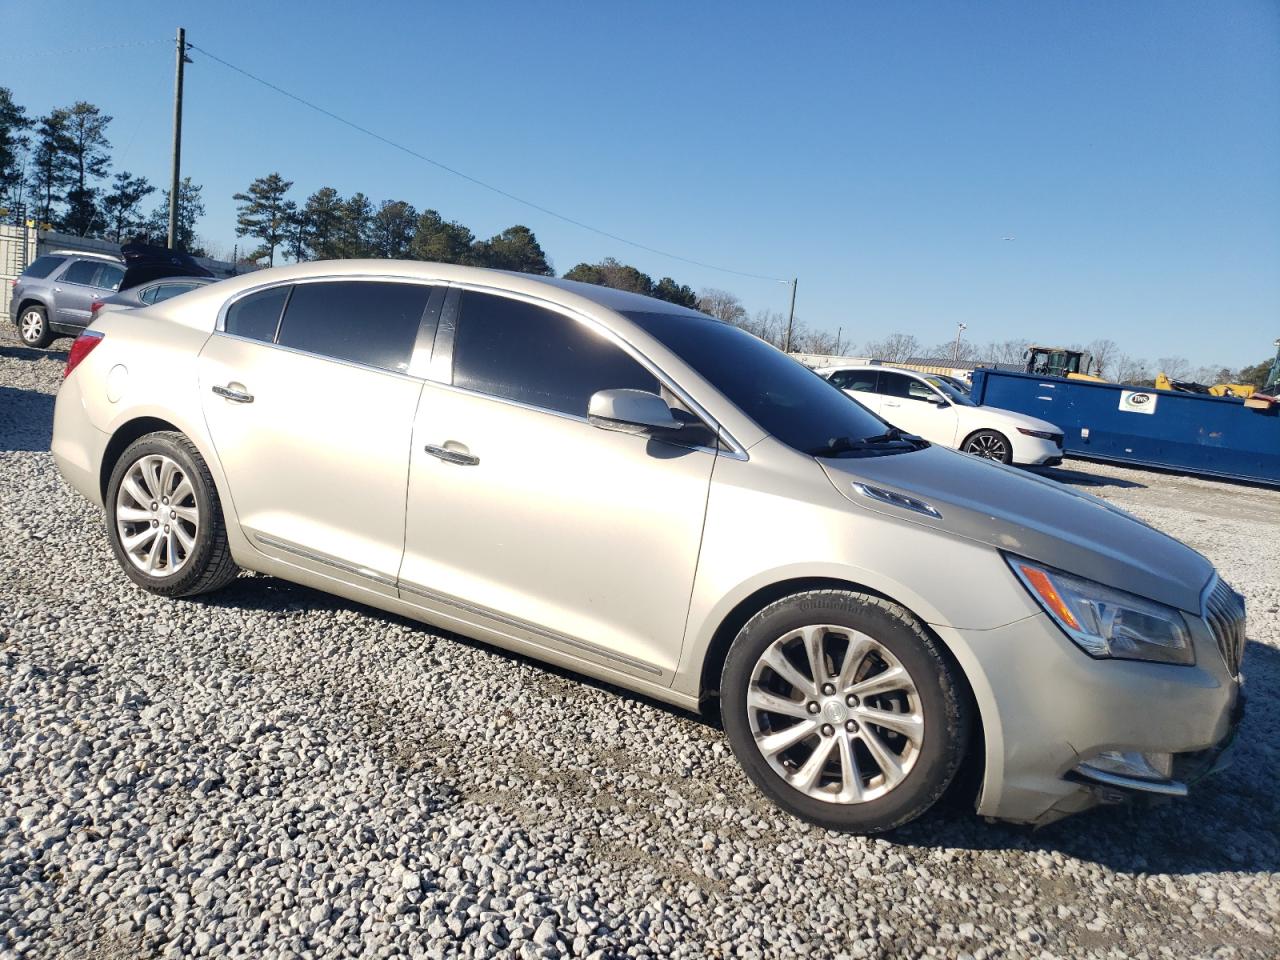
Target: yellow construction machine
1061,362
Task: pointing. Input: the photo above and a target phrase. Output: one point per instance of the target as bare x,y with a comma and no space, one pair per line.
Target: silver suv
55,295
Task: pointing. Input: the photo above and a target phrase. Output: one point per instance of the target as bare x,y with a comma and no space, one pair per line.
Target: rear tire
164,518
33,327
989,445
874,740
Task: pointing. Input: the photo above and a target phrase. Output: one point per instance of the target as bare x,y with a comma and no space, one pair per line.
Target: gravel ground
275,772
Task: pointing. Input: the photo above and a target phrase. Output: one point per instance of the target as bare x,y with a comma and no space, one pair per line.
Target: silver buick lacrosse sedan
654,498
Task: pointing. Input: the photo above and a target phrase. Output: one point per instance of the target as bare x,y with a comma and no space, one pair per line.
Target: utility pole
955,354
791,316
176,178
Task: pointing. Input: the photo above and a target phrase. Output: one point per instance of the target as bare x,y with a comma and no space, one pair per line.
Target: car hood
144,263
1033,517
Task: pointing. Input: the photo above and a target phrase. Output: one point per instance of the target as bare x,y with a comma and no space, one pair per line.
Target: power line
470,179
29,55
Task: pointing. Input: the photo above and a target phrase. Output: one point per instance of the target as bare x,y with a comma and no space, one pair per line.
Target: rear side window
361,321
257,315
82,271
166,290
42,266
109,276
861,381
515,350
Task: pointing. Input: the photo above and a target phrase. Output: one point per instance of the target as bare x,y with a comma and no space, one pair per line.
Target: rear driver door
309,397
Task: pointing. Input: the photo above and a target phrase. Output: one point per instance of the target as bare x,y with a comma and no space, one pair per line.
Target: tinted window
82,271
863,381
42,267
361,321
109,276
167,290
257,315
512,349
784,397
894,384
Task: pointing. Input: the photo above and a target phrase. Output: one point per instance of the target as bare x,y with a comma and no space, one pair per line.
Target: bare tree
1133,370
1175,368
771,327
947,351
1105,354
895,348
1007,351
821,342
722,305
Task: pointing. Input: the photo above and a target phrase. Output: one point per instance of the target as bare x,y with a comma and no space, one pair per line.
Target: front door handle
459,455
234,391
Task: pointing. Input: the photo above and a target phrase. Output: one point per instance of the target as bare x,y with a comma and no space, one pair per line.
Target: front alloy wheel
989,445
844,709
835,714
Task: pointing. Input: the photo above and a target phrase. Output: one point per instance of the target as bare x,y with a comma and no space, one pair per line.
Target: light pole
955,353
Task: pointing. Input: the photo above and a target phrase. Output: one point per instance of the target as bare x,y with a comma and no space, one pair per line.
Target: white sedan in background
927,405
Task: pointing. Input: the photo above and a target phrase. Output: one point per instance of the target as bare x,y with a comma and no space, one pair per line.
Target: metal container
1195,433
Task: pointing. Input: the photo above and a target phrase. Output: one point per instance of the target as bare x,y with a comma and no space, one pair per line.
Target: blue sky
878,151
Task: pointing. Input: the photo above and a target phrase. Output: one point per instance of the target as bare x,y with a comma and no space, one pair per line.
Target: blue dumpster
1196,433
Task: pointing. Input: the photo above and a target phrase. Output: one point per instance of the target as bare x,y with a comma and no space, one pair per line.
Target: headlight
1105,622
1041,434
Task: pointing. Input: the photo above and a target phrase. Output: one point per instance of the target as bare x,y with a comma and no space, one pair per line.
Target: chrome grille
1224,612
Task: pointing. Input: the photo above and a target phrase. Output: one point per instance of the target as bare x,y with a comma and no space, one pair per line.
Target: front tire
989,445
33,327
844,711
164,518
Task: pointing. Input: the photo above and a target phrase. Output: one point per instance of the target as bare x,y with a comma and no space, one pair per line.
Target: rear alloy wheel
33,327
164,518
989,445
843,710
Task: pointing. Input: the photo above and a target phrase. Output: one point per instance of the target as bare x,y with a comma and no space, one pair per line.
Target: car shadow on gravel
29,353
26,419
1078,478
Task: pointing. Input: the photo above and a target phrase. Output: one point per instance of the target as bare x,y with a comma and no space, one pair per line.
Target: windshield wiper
893,436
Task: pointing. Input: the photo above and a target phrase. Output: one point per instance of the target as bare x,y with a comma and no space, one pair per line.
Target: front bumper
1035,451
1047,708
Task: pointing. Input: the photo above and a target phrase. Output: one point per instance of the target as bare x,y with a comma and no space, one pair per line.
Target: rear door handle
459,456
894,404
234,392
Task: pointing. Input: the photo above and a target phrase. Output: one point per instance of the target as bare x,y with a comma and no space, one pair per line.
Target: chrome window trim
525,625
711,423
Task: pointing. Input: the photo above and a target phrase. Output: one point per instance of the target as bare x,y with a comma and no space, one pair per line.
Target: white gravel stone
274,772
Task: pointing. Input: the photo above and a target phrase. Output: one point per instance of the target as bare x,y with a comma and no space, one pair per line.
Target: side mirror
939,402
630,411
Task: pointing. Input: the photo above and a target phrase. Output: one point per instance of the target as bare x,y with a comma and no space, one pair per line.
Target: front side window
257,315
82,271
518,351
361,321
42,266
787,399
918,390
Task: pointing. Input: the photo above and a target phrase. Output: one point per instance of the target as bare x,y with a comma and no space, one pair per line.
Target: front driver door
525,518
915,407
308,399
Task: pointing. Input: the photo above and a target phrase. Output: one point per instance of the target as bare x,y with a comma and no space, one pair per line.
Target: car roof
549,288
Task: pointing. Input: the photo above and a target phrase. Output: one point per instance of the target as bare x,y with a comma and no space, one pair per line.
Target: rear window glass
42,267
362,321
257,315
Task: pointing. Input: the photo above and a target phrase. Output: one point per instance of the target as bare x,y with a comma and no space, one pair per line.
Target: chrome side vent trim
893,499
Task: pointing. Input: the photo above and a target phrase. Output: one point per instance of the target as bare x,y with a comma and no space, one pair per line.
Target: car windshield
950,391
784,397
